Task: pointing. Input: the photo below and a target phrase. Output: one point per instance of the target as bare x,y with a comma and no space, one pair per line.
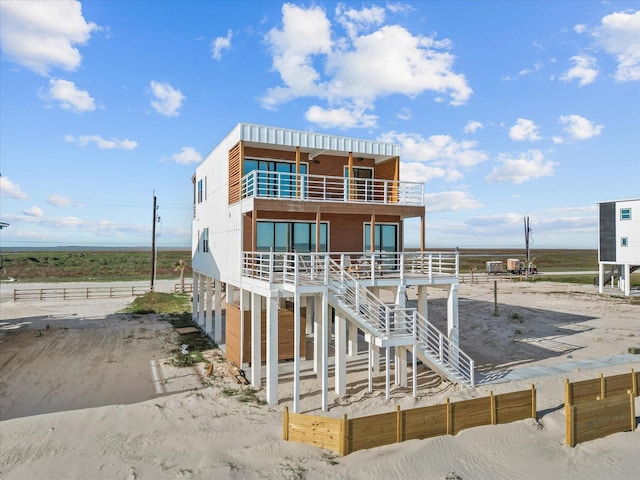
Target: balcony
305,269
319,188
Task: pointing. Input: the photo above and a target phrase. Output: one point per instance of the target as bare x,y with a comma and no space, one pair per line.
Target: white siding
629,229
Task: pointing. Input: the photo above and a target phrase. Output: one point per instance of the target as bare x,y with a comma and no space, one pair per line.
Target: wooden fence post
399,429
568,392
494,413
534,408
285,424
569,411
632,406
449,418
344,438
603,391
634,384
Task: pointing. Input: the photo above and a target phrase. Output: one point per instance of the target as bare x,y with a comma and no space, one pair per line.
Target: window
625,214
205,240
362,183
624,242
275,179
386,237
290,236
200,191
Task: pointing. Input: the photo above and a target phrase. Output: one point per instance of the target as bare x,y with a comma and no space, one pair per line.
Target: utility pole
527,231
153,242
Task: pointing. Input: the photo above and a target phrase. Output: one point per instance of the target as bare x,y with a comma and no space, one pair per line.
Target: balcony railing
319,188
309,268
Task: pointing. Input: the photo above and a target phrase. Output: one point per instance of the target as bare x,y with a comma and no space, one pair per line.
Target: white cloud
450,201
355,21
340,117
62,201
43,35
472,126
421,173
34,211
220,44
526,166
440,150
166,99
187,155
579,127
584,70
69,97
580,28
10,189
524,130
313,60
619,35
102,143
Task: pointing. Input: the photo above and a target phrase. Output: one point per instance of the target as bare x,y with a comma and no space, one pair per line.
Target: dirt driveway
60,355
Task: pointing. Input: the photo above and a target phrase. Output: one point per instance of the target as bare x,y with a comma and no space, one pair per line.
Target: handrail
385,321
361,265
323,188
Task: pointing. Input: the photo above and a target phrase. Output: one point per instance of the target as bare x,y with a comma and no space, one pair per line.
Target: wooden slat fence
601,406
599,418
77,293
349,435
601,387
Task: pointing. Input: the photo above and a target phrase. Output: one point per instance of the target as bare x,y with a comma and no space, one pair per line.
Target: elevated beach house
297,238
619,242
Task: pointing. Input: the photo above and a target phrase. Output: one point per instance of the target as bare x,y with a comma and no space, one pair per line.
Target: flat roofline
314,143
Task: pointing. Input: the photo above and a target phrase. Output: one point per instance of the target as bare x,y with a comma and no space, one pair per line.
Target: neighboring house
305,232
619,242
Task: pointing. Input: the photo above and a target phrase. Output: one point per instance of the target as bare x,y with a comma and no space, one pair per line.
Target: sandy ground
85,392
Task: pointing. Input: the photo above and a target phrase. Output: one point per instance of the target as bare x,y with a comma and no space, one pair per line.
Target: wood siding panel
285,334
235,174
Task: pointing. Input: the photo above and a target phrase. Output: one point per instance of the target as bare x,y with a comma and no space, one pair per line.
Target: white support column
352,344
387,373
401,366
375,359
245,300
325,353
208,294
422,301
201,300
401,296
272,351
400,353
370,364
415,370
452,314
600,277
340,347
296,353
317,334
626,268
308,304
217,318
256,347
194,297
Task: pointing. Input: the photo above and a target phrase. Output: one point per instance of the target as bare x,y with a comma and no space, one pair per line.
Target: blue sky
503,109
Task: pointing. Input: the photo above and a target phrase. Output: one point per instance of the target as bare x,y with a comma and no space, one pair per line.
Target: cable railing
322,188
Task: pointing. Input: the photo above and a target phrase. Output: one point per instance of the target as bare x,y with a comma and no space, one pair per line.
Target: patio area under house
297,239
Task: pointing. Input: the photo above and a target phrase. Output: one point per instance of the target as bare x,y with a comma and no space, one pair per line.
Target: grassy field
58,266
97,266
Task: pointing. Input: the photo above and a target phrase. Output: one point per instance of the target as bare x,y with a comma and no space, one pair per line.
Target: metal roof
314,143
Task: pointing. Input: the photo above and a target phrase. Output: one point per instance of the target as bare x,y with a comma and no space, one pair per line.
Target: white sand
79,399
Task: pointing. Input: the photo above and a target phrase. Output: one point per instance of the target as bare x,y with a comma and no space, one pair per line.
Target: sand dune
79,399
